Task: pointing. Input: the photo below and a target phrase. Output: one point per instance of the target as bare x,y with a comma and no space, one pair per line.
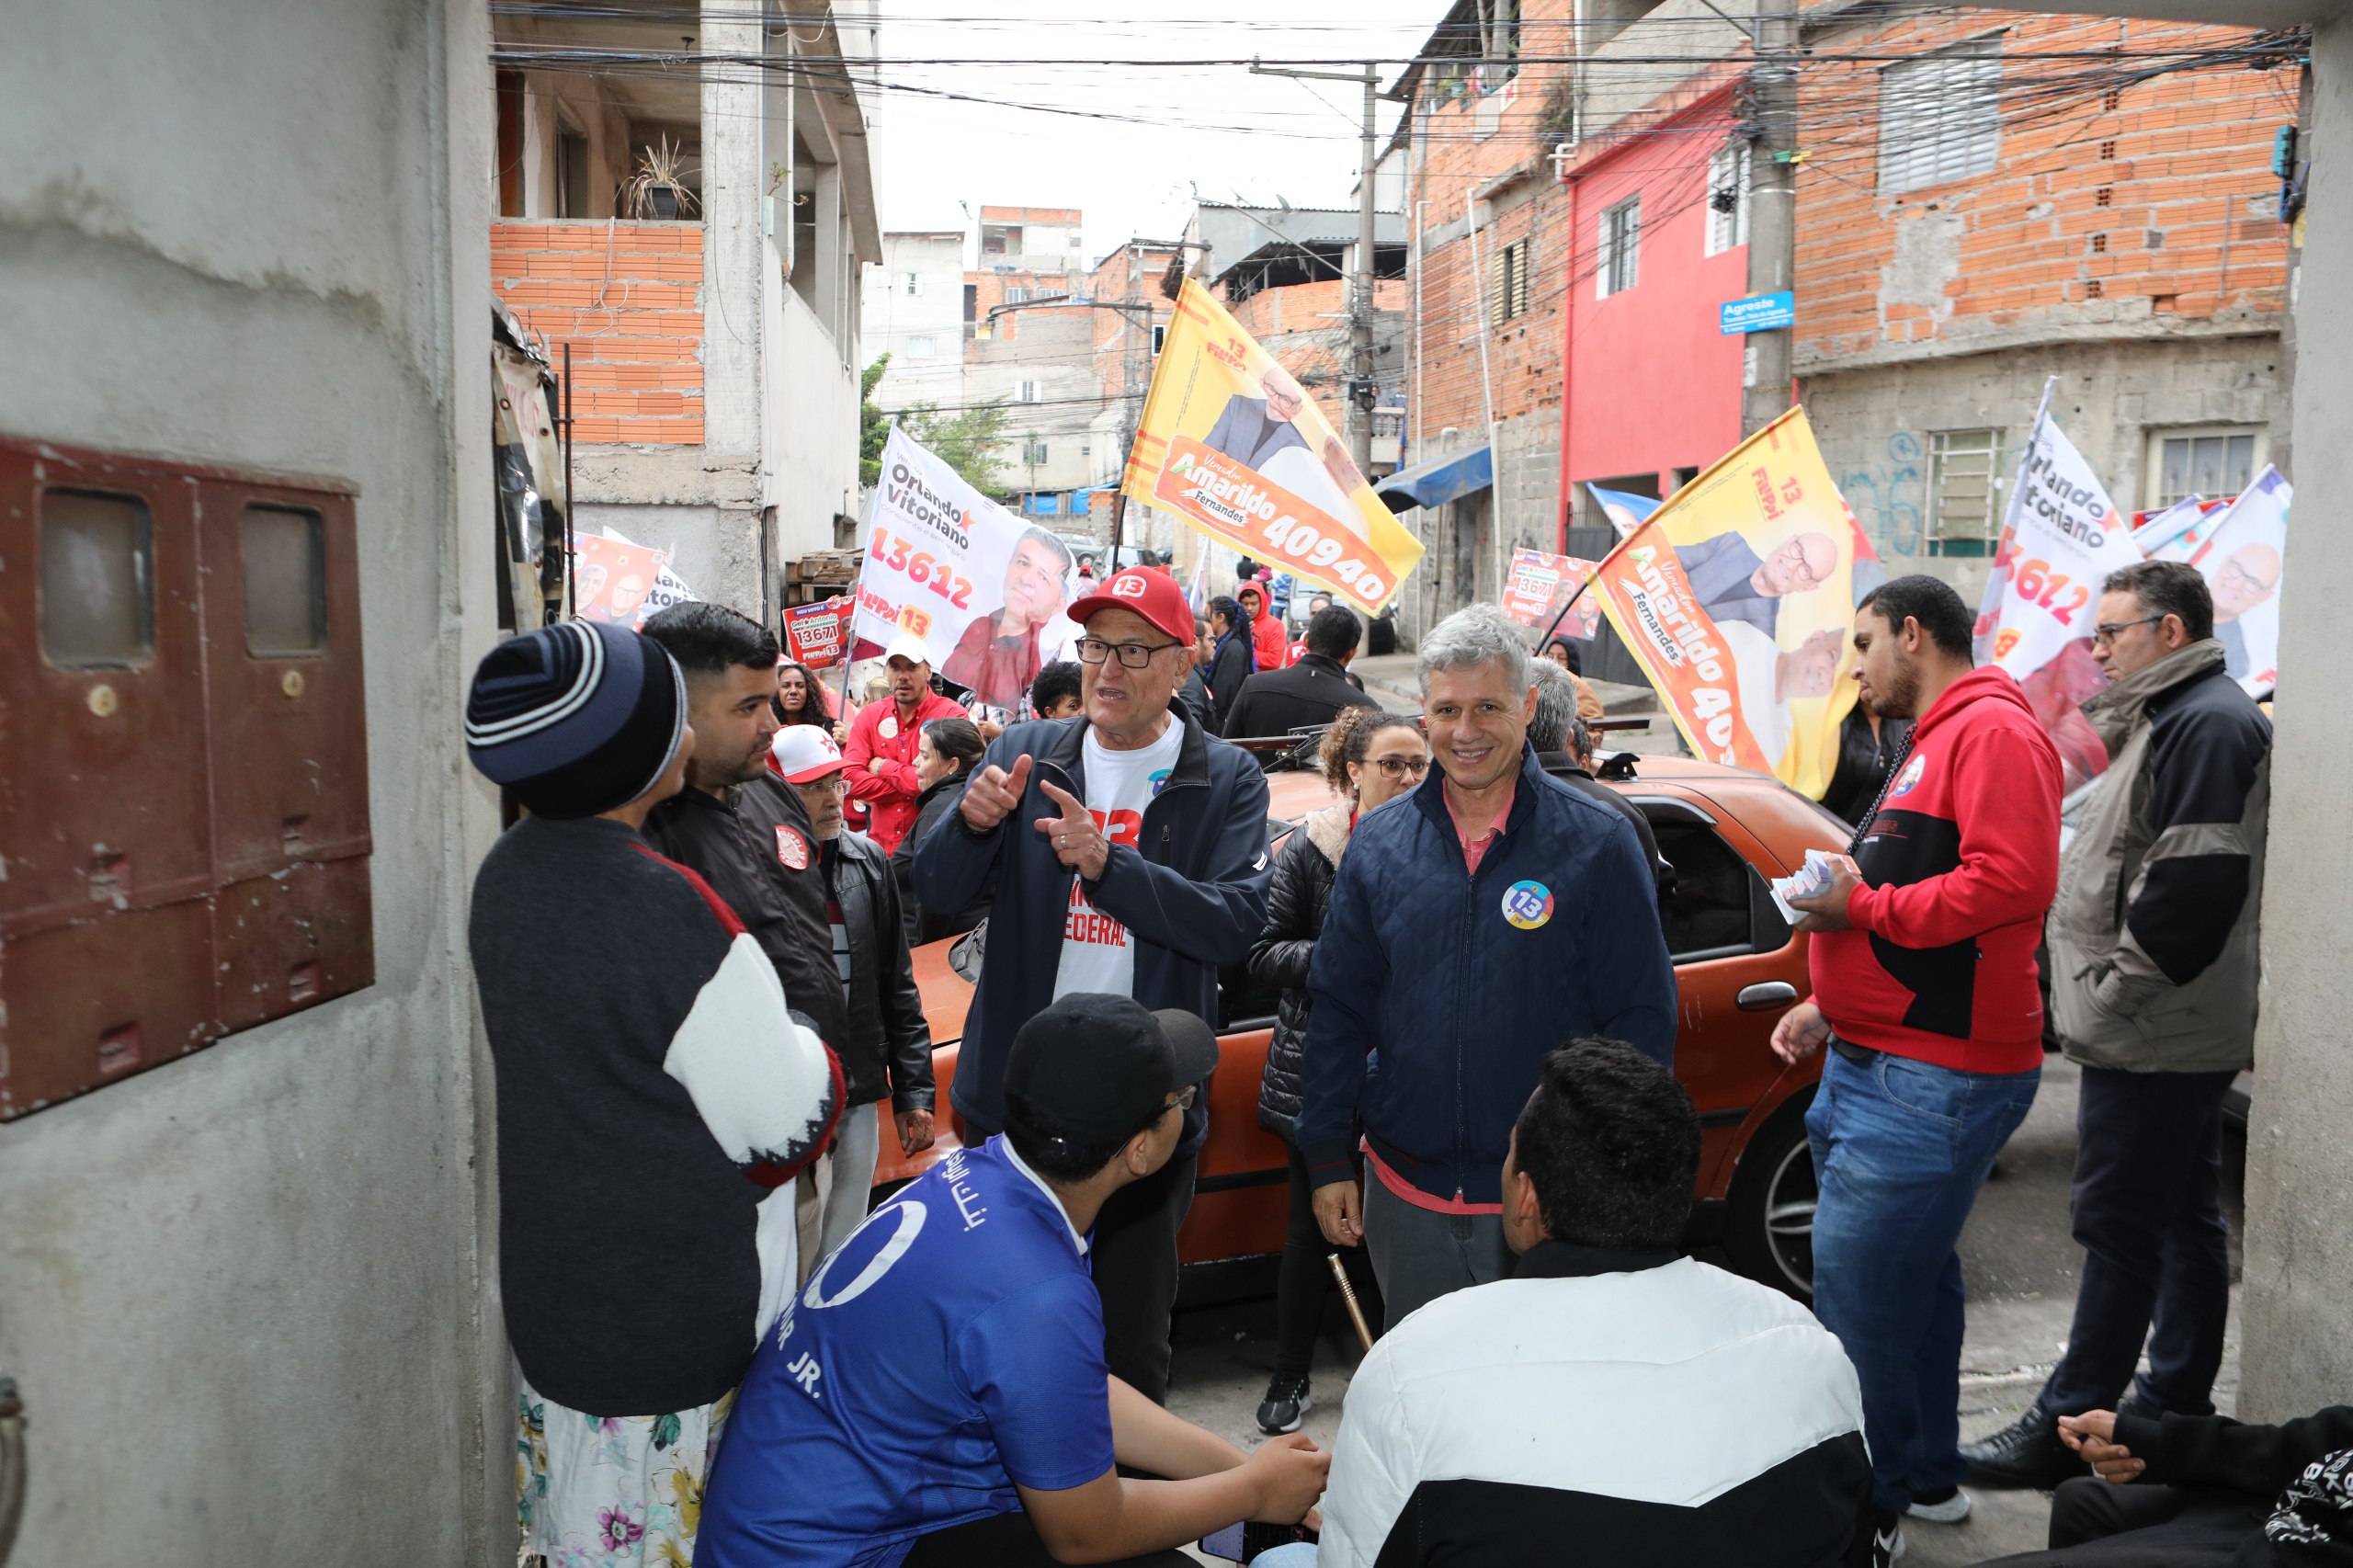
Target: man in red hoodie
1925,990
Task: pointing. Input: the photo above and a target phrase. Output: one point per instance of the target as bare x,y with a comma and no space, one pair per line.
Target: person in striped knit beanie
655,1100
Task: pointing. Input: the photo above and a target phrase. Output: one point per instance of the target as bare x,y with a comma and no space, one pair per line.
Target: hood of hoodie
1984,684
1328,830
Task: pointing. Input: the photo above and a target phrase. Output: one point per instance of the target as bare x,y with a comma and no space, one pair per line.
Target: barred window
1939,115
1508,297
1964,490
1621,236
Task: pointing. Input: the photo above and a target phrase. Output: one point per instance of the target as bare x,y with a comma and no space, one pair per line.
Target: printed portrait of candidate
2248,578
1731,583
998,655
1770,677
1262,433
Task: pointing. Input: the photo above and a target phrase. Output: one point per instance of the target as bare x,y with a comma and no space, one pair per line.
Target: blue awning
1438,481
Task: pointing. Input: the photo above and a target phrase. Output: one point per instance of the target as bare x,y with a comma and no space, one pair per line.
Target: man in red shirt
885,737
1925,992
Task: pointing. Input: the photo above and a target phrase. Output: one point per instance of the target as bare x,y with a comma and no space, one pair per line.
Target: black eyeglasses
2106,632
1132,655
1402,766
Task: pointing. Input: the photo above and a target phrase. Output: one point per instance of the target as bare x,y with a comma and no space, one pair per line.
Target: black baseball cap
1098,1067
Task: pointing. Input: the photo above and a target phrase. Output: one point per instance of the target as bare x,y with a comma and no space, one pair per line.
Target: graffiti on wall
1889,497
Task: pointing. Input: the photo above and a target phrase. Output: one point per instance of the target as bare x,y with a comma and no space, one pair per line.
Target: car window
1712,913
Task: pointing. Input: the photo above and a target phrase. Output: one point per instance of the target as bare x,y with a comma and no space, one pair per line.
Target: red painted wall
1653,385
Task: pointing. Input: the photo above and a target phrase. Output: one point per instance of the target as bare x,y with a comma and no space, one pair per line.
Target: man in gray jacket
2153,962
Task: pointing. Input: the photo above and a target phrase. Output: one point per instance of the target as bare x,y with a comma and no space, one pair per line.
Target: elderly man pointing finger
1125,850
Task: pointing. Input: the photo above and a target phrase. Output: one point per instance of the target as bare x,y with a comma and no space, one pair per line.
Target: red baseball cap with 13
1152,595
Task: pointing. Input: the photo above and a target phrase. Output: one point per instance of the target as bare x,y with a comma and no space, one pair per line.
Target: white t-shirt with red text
1096,952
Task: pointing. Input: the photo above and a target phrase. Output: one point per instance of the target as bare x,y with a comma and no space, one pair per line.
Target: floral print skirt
610,1491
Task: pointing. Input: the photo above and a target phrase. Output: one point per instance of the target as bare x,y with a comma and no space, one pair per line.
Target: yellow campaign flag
1230,443
1736,596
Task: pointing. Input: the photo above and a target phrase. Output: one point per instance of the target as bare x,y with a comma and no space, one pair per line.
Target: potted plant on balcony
657,190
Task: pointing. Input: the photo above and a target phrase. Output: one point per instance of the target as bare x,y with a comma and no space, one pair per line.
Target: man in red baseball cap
1126,850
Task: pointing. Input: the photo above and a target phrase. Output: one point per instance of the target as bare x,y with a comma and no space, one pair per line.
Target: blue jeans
1298,1554
1900,1149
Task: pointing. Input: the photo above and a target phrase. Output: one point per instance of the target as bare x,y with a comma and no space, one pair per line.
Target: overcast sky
1135,143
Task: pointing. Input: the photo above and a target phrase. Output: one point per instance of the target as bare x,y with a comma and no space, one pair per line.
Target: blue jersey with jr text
952,1348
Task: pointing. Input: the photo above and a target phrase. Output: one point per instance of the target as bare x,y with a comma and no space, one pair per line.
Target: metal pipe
570,500
1348,1299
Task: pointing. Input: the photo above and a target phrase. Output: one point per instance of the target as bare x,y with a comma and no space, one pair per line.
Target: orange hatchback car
1737,967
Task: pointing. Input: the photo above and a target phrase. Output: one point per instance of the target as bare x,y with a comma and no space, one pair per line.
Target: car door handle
1766,995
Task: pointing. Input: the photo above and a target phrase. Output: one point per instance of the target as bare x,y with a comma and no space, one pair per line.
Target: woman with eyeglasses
1370,758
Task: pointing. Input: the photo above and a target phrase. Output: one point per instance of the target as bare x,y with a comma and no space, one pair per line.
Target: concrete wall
812,474
249,1295
1874,425
2299,1294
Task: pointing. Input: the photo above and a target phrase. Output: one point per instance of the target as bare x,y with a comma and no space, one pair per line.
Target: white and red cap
1152,595
802,754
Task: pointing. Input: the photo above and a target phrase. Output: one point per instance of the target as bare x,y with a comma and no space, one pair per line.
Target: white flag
2060,539
2240,554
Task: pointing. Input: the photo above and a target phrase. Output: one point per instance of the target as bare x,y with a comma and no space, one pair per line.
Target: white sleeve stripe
760,1081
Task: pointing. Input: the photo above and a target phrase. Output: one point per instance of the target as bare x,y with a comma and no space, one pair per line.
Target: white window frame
2155,497
1017,294
913,282
1728,170
1159,336
923,347
1971,455
1941,116
1618,255
1029,391
1033,452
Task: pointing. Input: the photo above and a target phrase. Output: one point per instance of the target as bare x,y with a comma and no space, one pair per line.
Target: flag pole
1640,529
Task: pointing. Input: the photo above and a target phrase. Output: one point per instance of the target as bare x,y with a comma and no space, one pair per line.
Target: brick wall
627,297
2104,214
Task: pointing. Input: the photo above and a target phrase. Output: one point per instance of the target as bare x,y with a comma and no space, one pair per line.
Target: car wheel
1769,1219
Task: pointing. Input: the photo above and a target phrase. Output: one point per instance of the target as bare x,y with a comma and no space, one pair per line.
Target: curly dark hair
815,710
1349,739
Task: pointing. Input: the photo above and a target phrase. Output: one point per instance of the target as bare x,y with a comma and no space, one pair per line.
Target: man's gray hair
1481,634
1554,726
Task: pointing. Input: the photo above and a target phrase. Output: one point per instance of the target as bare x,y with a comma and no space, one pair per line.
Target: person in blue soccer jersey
937,1395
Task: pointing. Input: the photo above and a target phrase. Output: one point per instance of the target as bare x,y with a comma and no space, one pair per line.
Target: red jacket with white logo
1959,862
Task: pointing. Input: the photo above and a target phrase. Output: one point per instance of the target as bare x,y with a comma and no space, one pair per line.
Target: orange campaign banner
1232,444
1736,597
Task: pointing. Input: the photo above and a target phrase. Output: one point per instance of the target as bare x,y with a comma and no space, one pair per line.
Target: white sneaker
1949,1510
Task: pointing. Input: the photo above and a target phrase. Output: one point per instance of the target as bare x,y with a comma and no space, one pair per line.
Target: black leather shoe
2028,1452
2141,1404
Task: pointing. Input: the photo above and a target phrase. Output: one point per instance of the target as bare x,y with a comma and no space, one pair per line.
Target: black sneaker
2028,1452
1285,1406
1887,1540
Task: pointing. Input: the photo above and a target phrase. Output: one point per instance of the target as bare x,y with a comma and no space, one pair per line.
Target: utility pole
1772,207
1363,389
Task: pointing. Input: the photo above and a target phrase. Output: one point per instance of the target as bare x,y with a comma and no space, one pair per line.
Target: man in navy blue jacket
1475,924
1124,852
